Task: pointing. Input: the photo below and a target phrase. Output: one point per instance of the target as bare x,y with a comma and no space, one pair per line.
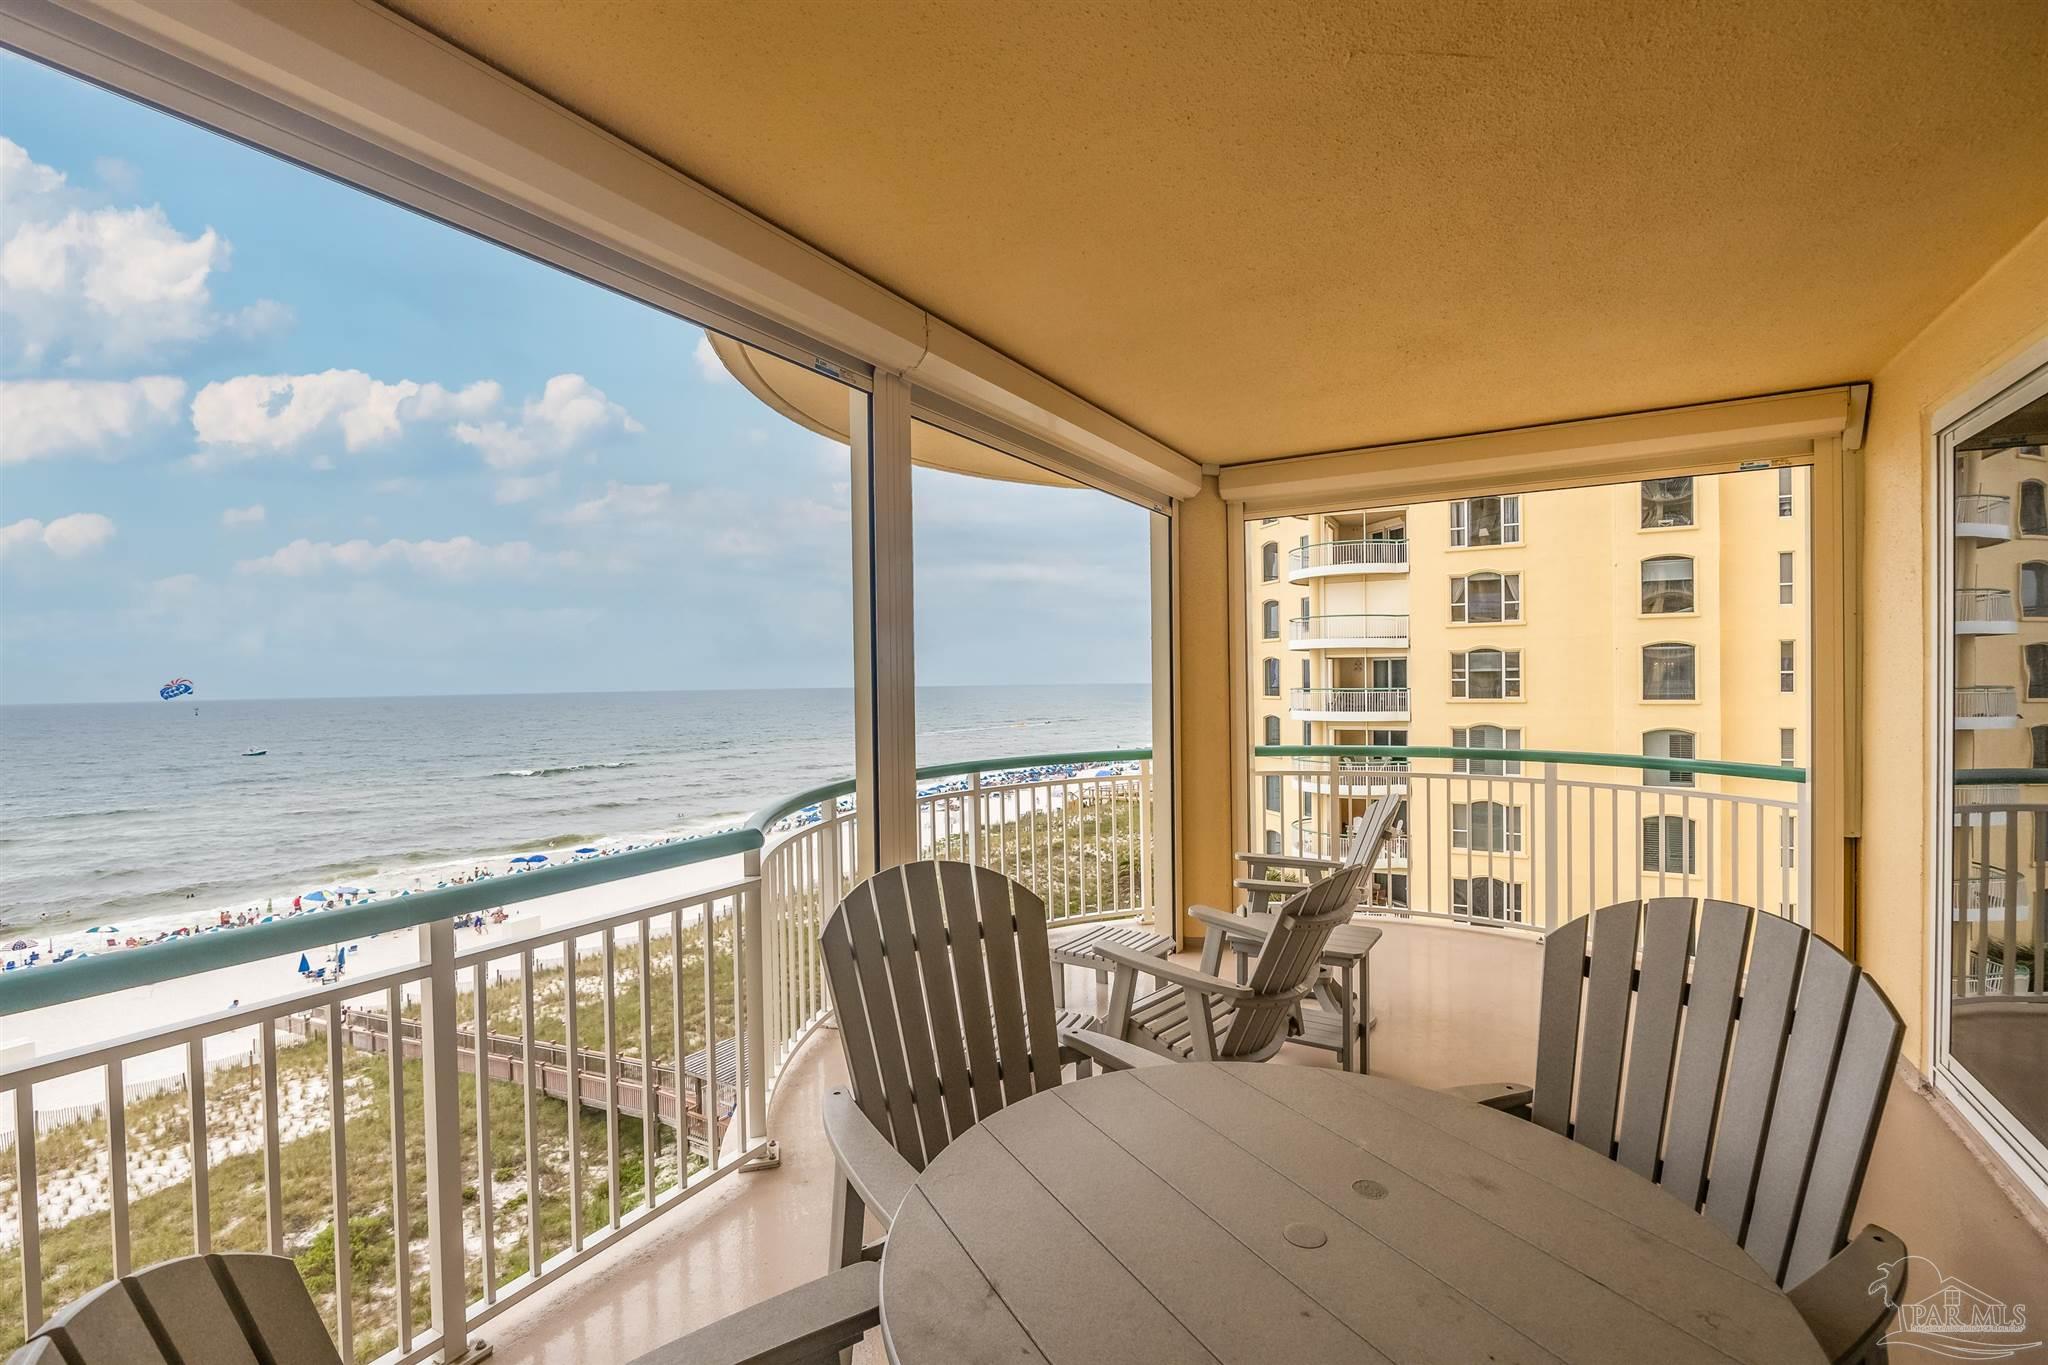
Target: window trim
1511,676
1692,658
1511,596
1460,532
1692,585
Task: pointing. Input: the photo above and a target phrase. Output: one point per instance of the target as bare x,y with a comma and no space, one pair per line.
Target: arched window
2033,508
1269,619
1487,597
2039,734
1669,673
1486,737
1272,729
1272,677
1269,561
1667,584
1667,502
2037,672
1668,744
2034,588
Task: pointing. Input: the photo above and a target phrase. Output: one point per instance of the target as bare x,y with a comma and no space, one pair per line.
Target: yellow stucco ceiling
1260,227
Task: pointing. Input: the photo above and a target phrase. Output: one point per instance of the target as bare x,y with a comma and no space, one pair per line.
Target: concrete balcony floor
756,1235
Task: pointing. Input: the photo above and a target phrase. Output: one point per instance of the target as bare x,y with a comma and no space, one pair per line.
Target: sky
263,431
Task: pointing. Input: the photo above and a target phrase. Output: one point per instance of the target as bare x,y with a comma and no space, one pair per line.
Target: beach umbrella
348,891
314,896
304,966
18,943
586,850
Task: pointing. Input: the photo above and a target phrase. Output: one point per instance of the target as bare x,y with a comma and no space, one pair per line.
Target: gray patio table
1246,1213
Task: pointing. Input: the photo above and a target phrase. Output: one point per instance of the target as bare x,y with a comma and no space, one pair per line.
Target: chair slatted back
1289,960
1370,832
941,974
1731,1057
231,1308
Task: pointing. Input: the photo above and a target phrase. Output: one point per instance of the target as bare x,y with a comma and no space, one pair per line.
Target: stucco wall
1999,316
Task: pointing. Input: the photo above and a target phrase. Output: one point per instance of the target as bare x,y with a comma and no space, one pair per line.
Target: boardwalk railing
1531,838
423,1193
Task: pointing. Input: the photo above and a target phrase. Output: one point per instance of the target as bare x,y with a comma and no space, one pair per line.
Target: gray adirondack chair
230,1308
1201,1016
1752,1092
811,1324
1369,834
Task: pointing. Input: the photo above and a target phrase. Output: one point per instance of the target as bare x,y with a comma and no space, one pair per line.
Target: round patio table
1252,1213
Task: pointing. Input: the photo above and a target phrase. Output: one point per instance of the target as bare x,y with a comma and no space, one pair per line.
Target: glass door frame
2005,391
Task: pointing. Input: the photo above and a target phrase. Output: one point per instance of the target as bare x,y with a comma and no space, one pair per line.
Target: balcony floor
756,1235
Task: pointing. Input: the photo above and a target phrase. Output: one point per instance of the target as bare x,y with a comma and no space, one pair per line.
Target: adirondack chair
811,1324
1752,1093
1369,834
1199,1015
231,1308
941,974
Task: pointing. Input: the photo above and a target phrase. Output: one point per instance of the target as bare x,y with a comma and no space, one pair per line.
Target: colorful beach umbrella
314,896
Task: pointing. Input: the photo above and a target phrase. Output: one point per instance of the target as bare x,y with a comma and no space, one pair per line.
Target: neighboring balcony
1348,632
1344,558
1987,708
1348,703
1983,517
1985,611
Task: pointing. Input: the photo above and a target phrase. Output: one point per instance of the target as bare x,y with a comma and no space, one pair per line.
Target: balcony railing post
1550,857
1801,844
751,1018
1330,822
448,1286
1144,866
973,813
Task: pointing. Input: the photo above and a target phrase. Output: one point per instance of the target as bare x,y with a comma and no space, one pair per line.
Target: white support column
447,1282
884,646
1162,900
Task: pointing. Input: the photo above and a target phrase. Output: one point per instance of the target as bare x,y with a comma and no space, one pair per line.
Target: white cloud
569,411
243,516
461,557
66,537
256,414
41,418
82,282
708,363
621,502
523,488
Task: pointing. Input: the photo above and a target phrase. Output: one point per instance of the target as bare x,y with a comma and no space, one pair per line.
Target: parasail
175,688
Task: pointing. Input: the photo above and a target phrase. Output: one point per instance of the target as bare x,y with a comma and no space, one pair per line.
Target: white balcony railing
1987,707
1558,834
1340,556
1984,611
538,1098
1997,950
1350,701
1984,516
1363,630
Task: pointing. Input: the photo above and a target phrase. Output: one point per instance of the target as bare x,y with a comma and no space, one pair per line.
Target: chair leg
849,1229
1059,985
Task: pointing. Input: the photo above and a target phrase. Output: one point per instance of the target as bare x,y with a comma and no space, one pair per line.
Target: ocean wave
557,772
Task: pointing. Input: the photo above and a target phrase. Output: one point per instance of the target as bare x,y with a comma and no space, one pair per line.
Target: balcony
1346,559
1985,611
1348,632
1348,703
1983,517
1983,707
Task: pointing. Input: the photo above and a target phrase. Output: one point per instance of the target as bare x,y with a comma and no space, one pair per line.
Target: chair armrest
1168,970
1848,1301
877,1171
1227,922
1288,860
1112,1054
805,1324
1502,1095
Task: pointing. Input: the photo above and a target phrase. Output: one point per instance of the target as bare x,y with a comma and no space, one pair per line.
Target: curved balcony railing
1984,610
1348,628
1360,701
1348,554
1984,516
593,1118
1987,706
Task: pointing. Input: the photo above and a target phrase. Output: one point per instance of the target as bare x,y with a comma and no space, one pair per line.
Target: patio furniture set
1676,1184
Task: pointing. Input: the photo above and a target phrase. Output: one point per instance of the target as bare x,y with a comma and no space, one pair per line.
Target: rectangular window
1273,841
1306,731
1668,673
1784,492
1307,676
1486,827
1269,620
1269,561
1788,840
1487,597
1390,889
1486,521
1486,737
1487,898
1273,802
1486,675
1670,844
1667,502
1308,802
1785,578
1786,673
1272,668
1788,741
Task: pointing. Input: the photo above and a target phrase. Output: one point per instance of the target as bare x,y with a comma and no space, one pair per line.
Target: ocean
147,815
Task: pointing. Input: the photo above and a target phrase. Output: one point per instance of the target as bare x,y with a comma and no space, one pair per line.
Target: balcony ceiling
1253,229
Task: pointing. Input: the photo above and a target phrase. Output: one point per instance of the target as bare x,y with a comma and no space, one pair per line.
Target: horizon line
200,699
